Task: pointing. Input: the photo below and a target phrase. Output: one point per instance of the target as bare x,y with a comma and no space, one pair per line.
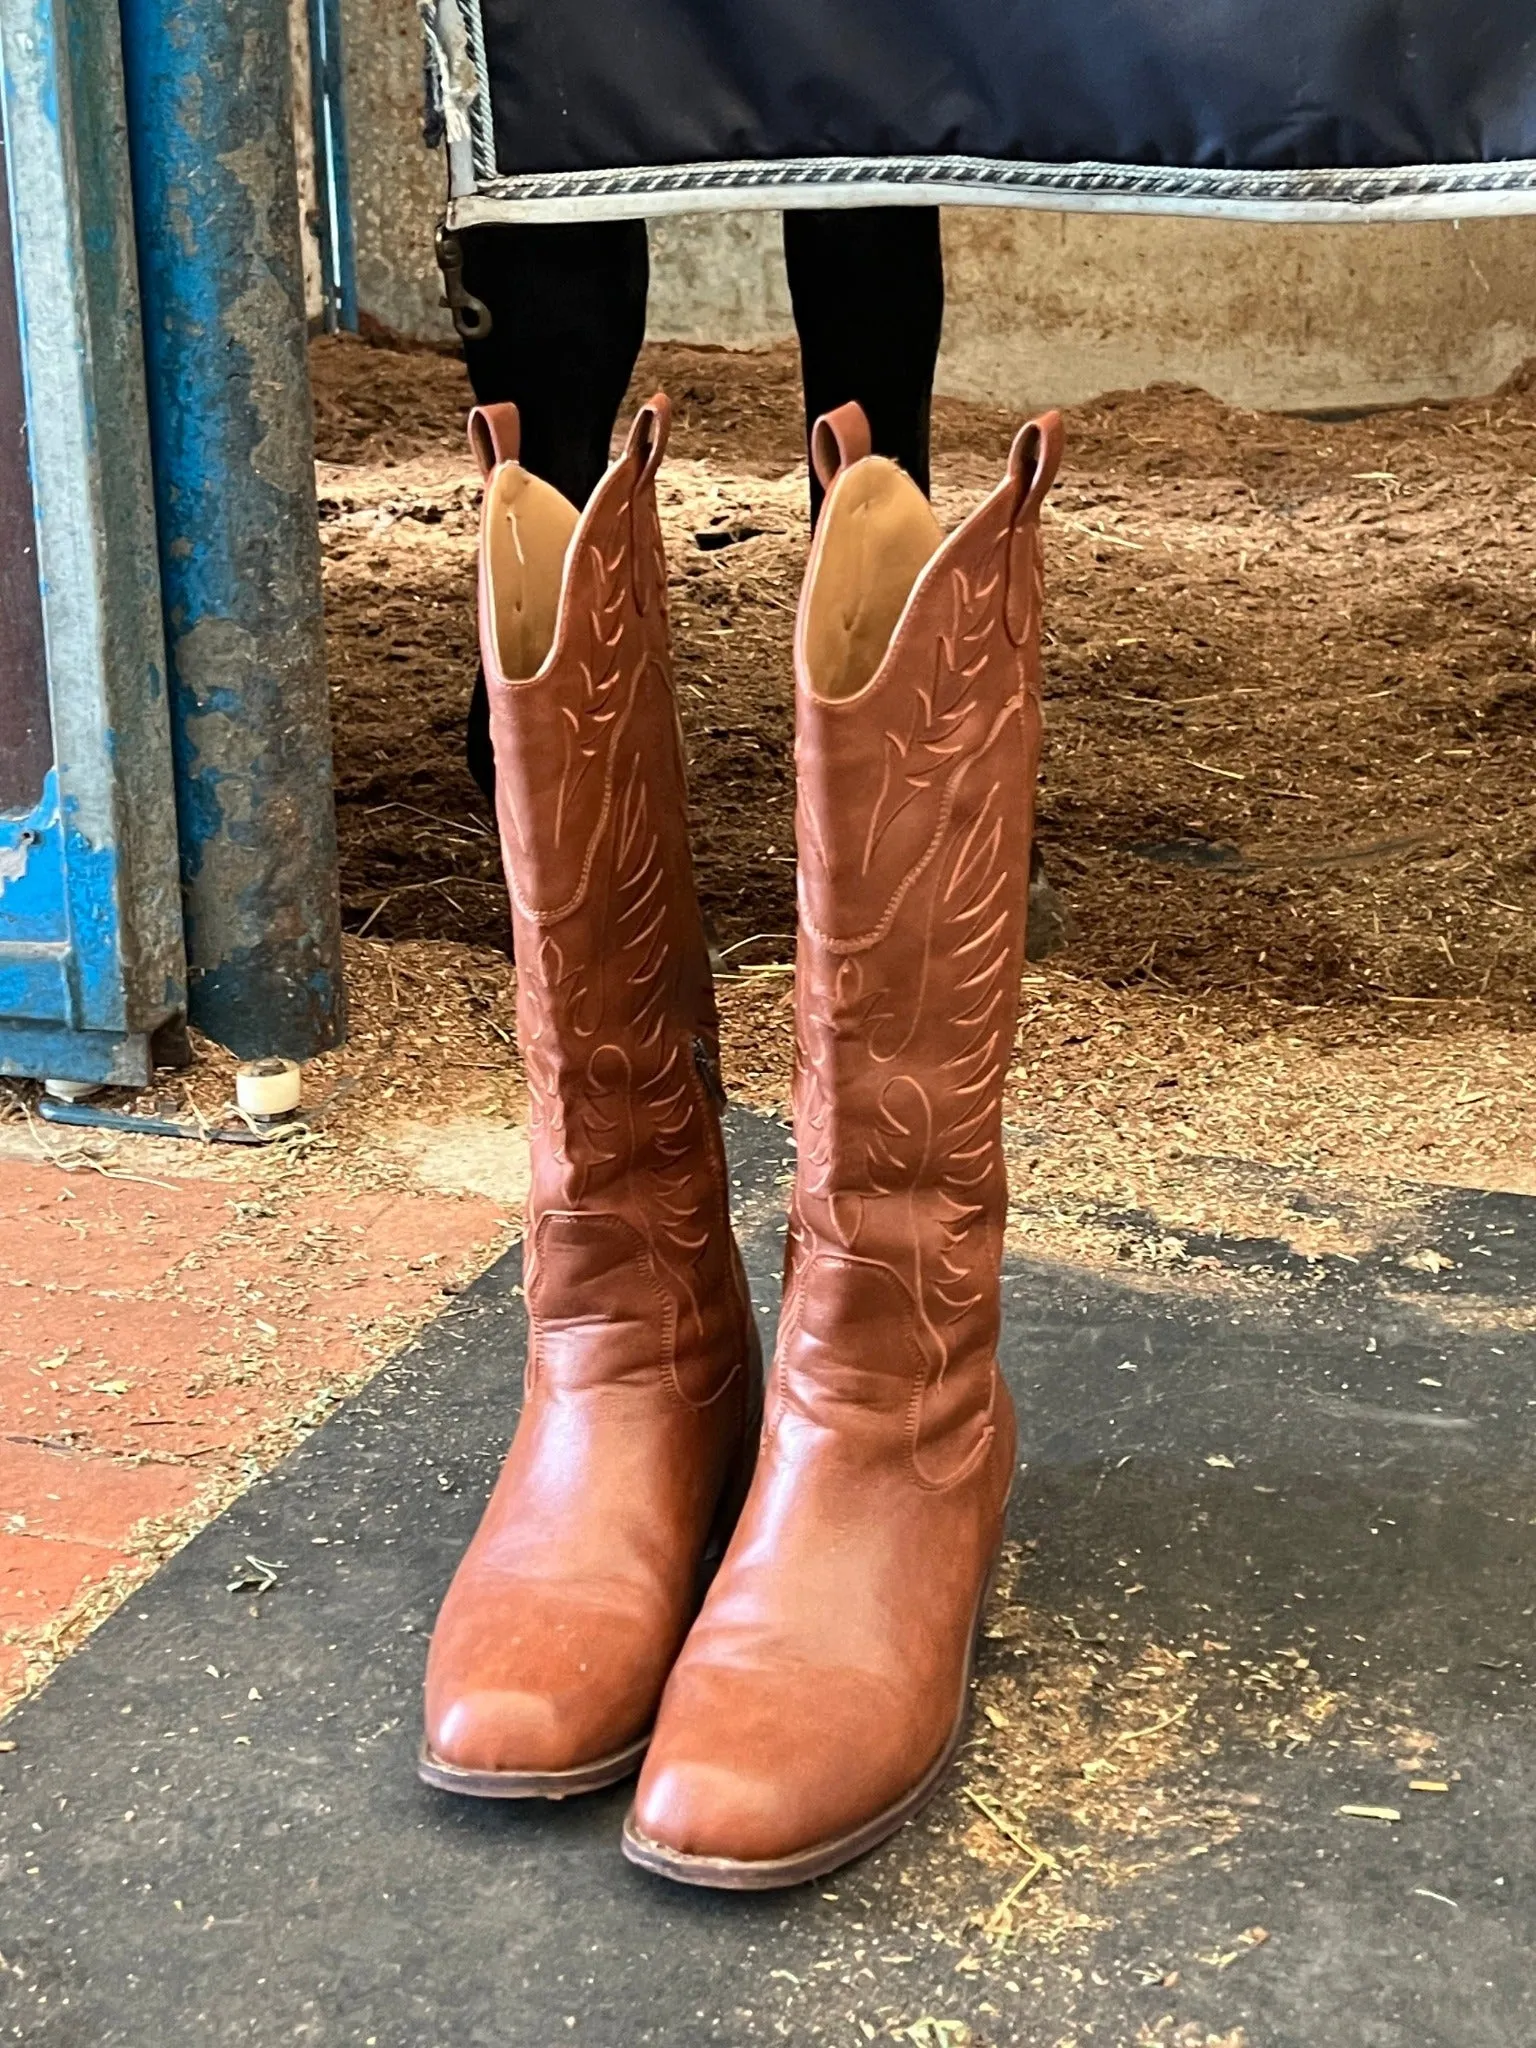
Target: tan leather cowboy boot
823,1688
643,1390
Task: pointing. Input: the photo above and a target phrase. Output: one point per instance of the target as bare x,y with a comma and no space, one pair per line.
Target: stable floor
1289,675
1271,1128
1251,1764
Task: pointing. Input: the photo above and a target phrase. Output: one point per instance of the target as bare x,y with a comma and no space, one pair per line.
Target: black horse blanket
1280,109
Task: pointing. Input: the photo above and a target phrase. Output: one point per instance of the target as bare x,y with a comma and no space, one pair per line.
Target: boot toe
526,1679
708,1809
501,1731
739,1769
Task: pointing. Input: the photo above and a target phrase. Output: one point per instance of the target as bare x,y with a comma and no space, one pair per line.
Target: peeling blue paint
90,899
70,1055
90,928
42,29
96,934
33,906
58,889
211,139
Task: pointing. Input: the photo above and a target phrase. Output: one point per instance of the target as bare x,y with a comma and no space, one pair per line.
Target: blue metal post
91,961
209,94
333,177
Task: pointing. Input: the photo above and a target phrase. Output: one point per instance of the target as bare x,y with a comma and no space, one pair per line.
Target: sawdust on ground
1100,1755
1087,1767
430,1049
1177,1061
1290,673
1291,686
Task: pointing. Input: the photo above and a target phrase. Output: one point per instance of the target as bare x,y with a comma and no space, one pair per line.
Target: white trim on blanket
1410,192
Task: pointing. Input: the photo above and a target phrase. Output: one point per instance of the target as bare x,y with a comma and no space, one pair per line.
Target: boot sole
729,1874
592,1777
621,1763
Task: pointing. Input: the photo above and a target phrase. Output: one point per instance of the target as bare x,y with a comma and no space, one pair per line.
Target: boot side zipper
708,1068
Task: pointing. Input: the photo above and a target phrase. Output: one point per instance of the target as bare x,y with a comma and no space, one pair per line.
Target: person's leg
867,285
567,311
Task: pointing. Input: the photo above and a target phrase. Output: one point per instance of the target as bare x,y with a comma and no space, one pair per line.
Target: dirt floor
1290,673
1291,732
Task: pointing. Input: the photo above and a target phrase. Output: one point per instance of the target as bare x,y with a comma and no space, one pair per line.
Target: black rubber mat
211,1832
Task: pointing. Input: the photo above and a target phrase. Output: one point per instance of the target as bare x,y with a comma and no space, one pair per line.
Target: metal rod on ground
216,197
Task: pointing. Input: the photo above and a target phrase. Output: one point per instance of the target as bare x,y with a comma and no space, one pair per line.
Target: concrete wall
1062,306
398,187
304,145
1043,307
1057,307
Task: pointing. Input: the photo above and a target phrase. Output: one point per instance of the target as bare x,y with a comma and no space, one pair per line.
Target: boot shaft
917,745
616,1015
591,798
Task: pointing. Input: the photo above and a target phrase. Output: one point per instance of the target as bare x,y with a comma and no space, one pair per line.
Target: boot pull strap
838,440
648,434
495,435
1032,465
645,445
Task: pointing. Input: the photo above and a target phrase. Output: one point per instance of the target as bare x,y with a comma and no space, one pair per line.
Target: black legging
568,319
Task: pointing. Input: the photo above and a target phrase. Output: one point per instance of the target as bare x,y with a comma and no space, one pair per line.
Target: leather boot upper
563,1620
825,1675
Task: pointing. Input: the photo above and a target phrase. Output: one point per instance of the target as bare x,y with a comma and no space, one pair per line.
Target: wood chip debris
1223,1959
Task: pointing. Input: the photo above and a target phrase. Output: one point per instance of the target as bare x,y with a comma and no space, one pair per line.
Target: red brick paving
39,1579
50,1493
153,1339
68,1230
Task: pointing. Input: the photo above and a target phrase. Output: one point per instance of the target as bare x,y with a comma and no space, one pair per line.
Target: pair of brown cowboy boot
813,1701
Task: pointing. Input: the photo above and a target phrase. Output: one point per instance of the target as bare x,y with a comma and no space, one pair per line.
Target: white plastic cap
269,1087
